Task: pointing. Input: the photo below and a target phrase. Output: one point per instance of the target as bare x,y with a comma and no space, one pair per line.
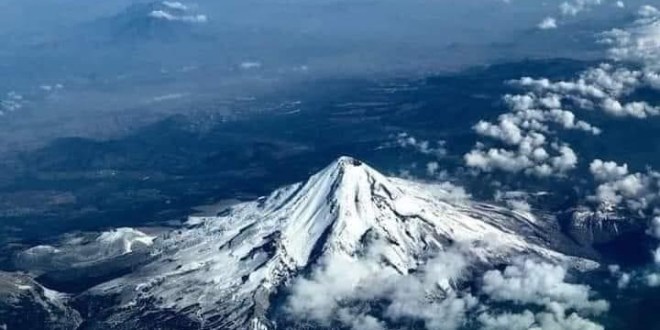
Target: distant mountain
225,271
154,21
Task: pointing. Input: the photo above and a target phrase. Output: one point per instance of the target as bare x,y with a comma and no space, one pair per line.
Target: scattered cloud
11,102
167,97
428,295
516,200
527,134
164,15
574,7
524,130
175,5
607,171
531,282
177,12
623,278
554,318
617,187
600,87
248,65
548,23
437,148
638,43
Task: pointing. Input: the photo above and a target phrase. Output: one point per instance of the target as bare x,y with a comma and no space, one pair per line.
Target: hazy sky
104,57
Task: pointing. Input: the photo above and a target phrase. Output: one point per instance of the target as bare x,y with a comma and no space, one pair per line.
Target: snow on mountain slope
222,272
81,250
25,304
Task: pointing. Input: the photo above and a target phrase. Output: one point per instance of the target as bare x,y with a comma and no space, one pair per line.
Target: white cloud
652,279
532,117
638,43
11,102
164,15
432,168
428,295
654,228
497,159
519,205
623,278
507,321
602,86
607,171
543,110
247,65
554,318
648,11
528,159
531,282
436,148
632,109
572,8
636,191
547,23
175,5
516,200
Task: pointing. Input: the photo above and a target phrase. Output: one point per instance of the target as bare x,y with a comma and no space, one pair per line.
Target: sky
107,58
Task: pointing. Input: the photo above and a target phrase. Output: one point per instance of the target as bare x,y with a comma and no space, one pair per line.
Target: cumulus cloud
601,87
548,23
636,191
607,171
531,282
428,295
492,159
436,148
637,43
528,159
572,8
533,116
554,318
567,8
528,133
343,291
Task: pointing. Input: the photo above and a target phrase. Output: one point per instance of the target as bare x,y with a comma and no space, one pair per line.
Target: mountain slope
25,304
222,272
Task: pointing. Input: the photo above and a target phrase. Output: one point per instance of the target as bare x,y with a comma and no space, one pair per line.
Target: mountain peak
345,161
345,164
347,211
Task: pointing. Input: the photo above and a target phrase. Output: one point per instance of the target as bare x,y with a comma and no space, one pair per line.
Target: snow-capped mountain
151,21
222,272
25,304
